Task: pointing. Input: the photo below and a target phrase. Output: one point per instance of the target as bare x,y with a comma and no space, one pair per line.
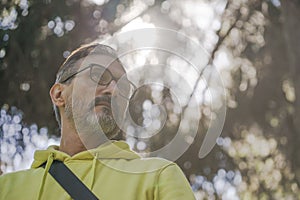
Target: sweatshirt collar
108,150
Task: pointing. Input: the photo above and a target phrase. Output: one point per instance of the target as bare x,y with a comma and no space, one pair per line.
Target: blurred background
254,45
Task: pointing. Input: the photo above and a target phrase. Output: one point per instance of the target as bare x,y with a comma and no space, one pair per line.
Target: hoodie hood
108,150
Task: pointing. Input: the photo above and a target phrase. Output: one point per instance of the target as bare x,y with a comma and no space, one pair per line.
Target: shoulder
20,176
21,184
170,180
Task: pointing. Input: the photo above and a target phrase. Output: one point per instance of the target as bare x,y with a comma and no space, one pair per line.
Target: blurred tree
266,33
273,102
254,44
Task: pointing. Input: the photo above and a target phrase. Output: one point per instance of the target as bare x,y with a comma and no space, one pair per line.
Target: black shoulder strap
70,182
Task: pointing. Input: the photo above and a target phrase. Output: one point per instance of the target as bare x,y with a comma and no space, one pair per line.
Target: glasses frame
90,66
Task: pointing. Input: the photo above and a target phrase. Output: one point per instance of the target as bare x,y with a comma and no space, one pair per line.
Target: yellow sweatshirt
112,171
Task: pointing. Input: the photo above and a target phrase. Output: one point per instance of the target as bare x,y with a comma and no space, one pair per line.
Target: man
90,97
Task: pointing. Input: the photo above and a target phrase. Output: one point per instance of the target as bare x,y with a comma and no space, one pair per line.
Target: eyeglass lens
102,76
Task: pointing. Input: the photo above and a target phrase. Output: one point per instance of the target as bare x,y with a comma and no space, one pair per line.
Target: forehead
112,64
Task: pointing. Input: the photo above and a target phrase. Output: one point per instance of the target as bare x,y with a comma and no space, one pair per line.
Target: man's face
88,104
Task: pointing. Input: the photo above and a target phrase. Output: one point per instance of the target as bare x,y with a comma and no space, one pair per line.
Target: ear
56,94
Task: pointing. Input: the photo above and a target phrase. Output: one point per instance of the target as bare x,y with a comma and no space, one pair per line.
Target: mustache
99,100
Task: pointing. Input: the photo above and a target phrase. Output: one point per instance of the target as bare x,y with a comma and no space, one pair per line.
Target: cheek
80,101
83,94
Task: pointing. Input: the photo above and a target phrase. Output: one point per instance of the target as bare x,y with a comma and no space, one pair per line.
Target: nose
108,89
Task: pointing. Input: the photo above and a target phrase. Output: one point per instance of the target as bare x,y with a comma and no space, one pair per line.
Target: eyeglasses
103,77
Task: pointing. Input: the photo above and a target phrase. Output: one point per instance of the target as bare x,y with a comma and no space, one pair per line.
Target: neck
73,142
70,141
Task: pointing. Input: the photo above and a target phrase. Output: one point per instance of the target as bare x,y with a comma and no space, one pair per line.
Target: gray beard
105,120
89,123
